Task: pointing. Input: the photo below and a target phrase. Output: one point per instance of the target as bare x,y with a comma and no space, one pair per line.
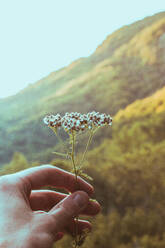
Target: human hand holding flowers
33,218
73,124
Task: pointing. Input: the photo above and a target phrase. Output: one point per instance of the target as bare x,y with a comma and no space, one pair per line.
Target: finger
62,214
47,199
73,227
48,175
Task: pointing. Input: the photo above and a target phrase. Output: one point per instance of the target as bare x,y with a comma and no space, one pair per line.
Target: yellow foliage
145,107
145,44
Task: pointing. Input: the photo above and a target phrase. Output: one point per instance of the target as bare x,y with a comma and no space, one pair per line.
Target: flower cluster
78,122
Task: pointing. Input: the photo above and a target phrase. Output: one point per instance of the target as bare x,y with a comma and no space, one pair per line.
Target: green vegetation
129,178
127,163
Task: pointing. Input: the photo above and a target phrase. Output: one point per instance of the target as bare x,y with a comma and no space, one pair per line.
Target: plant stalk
86,149
77,185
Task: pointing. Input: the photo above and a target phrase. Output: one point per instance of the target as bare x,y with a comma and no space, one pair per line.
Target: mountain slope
128,172
138,137
128,66
149,106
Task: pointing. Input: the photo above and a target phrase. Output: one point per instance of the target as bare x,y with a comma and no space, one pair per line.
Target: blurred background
64,56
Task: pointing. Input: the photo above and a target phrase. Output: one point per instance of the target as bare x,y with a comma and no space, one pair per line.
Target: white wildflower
78,122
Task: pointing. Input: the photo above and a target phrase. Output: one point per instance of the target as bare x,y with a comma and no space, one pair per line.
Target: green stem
73,154
77,186
86,148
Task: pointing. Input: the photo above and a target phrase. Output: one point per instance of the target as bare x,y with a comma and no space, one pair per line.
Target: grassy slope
113,77
138,135
128,172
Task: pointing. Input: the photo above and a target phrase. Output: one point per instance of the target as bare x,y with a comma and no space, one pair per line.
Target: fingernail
79,200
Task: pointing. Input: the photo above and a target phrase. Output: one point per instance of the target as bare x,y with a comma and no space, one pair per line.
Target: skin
31,217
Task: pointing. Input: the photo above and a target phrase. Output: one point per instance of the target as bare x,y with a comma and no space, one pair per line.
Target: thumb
68,208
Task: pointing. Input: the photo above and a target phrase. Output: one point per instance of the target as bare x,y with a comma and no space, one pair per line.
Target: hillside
129,65
147,107
129,178
138,132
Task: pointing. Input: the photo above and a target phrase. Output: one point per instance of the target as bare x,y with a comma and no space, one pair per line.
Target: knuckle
24,184
65,213
47,166
70,180
50,222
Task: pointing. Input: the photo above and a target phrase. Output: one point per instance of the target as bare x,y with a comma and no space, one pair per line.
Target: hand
37,218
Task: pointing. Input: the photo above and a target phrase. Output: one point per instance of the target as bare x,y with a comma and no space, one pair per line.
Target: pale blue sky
41,36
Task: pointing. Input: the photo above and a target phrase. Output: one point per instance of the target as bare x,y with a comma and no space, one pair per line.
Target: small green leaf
92,200
60,154
85,176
